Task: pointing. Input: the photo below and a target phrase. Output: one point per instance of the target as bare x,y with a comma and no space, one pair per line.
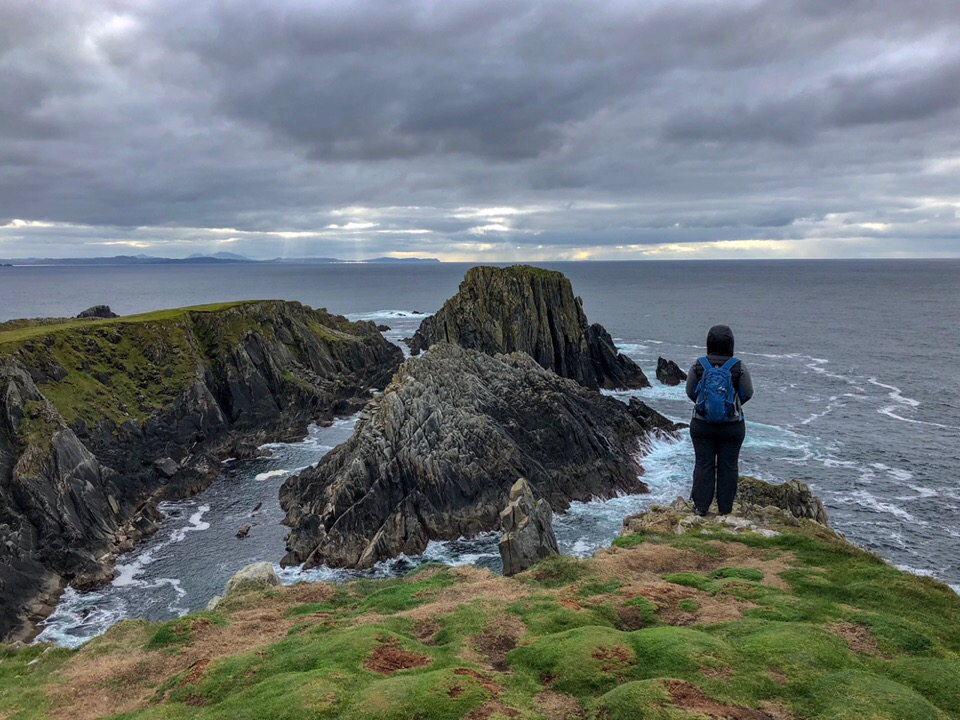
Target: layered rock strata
527,525
527,309
434,456
98,420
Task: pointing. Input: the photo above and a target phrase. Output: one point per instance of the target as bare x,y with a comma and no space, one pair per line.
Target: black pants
717,447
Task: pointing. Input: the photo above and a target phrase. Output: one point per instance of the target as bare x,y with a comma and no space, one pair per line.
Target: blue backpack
716,396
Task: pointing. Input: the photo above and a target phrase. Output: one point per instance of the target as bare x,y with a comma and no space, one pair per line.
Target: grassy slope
801,625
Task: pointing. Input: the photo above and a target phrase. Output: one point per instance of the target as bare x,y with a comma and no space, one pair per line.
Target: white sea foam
273,473
386,315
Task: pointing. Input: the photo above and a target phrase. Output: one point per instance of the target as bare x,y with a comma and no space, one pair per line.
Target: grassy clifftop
132,367
702,625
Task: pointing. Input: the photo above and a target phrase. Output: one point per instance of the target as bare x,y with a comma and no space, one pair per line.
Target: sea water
855,366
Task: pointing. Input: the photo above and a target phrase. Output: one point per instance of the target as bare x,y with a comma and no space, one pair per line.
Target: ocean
855,365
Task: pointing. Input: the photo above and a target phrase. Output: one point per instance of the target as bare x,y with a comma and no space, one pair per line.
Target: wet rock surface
99,422
669,373
527,525
527,309
435,455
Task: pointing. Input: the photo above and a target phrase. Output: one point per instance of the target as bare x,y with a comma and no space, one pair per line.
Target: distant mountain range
220,258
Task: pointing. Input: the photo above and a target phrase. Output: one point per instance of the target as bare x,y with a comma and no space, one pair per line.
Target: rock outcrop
669,373
99,421
527,309
98,311
759,508
527,525
433,457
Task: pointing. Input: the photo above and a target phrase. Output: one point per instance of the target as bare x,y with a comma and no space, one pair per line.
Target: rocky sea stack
436,454
99,419
531,310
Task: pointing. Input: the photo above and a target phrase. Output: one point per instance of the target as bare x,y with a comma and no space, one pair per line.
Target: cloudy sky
480,129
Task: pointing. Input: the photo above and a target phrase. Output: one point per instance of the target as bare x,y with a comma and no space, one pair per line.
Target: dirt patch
776,710
558,706
716,673
455,692
690,698
490,687
488,710
857,638
630,618
195,672
570,604
425,631
498,639
778,677
711,610
612,658
389,658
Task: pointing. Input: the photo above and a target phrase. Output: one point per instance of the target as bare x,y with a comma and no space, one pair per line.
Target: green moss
638,700
22,685
689,605
557,571
582,662
546,615
854,695
936,679
738,573
591,589
175,633
629,541
678,652
694,580
438,695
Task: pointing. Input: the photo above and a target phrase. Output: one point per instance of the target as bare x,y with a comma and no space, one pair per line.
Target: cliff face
527,309
99,419
434,456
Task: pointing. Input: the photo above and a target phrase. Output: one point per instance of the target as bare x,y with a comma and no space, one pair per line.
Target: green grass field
705,625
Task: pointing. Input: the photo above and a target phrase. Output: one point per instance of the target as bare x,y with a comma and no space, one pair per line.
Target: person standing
718,384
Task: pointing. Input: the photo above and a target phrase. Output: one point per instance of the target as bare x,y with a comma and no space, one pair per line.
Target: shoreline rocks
669,373
759,507
433,457
531,310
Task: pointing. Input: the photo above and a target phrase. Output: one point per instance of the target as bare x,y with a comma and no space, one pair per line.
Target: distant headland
219,258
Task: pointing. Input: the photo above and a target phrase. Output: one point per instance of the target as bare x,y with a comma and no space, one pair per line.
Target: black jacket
720,349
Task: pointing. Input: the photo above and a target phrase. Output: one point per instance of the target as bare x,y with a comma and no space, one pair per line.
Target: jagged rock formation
652,421
98,311
433,457
527,309
669,373
527,525
98,421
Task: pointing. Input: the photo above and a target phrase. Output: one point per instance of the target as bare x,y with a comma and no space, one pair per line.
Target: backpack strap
705,364
728,365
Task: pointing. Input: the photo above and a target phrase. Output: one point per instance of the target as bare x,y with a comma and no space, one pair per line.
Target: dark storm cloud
479,129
